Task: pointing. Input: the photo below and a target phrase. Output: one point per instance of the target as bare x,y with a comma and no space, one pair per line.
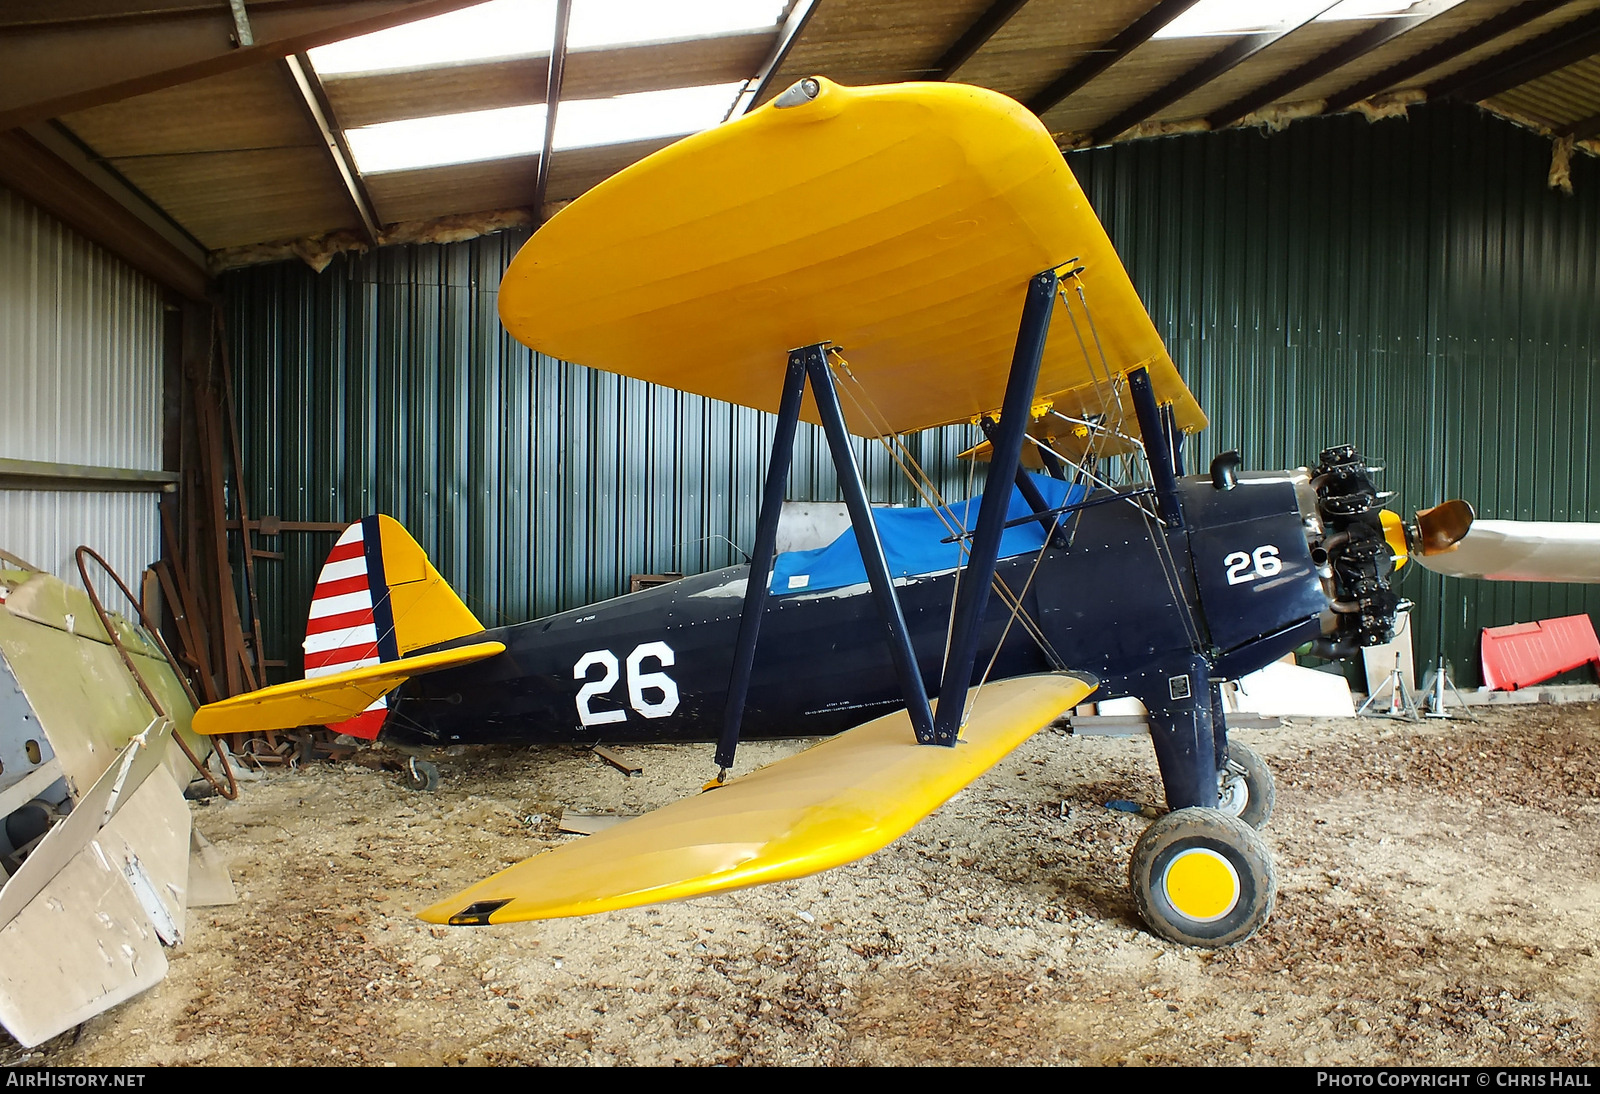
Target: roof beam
1582,129
1197,77
316,103
1130,38
31,169
756,87
973,39
1316,68
552,99
1443,52
1555,49
54,68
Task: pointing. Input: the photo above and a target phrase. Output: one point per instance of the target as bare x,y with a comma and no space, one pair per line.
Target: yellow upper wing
900,222
831,804
331,698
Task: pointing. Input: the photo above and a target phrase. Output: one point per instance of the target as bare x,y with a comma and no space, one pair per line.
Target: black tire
1245,786
421,775
1205,839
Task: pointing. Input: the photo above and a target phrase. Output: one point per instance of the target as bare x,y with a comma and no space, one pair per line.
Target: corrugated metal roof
235,159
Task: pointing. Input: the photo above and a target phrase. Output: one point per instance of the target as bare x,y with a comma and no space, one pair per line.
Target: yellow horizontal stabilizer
829,805
330,698
901,222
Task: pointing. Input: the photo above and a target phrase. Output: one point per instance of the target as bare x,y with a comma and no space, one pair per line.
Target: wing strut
1158,448
810,364
1049,521
973,599
872,557
755,589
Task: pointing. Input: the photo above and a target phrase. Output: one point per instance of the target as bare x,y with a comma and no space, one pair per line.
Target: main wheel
1245,788
1202,878
421,775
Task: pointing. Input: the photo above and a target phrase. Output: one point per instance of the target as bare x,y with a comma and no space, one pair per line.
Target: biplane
878,261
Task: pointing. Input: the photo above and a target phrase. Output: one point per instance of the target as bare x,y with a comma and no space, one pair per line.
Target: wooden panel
577,169
1152,65
55,69
1044,39
498,184
1561,98
252,108
590,74
229,198
1439,29
882,42
1291,51
459,188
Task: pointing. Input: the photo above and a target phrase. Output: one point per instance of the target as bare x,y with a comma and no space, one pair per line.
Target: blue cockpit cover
911,542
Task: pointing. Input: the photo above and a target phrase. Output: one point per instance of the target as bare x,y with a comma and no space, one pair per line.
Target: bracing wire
930,493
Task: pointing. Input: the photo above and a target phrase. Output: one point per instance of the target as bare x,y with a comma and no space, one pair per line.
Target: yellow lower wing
832,804
330,698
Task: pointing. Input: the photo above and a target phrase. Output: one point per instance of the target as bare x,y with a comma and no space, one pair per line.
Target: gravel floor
1438,893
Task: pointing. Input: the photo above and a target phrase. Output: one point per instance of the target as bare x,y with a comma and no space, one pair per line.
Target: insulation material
1560,177
1526,653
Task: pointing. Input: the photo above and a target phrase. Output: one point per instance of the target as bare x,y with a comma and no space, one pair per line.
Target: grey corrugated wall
81,361
1410,285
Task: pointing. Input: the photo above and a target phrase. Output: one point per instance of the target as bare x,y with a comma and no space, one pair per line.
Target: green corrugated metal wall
1410,285
386,384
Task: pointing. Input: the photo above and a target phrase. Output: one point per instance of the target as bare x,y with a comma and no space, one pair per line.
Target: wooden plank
240,496
42,475
617,760
235,667
272,526
180,595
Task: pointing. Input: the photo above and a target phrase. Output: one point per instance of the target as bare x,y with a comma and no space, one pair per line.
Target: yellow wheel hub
1201,885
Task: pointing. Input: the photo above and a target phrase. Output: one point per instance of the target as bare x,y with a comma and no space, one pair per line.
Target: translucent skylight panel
625,22
513,28
1231,17
1215,18
519,130
1384,9
448,138
584,123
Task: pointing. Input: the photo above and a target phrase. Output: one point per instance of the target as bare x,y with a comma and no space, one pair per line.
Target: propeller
1448,540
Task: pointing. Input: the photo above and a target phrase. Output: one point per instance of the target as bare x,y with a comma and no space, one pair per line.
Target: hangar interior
1364,223
251,250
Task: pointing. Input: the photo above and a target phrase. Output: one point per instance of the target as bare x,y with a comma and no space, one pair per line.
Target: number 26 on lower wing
1262,562
639,683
